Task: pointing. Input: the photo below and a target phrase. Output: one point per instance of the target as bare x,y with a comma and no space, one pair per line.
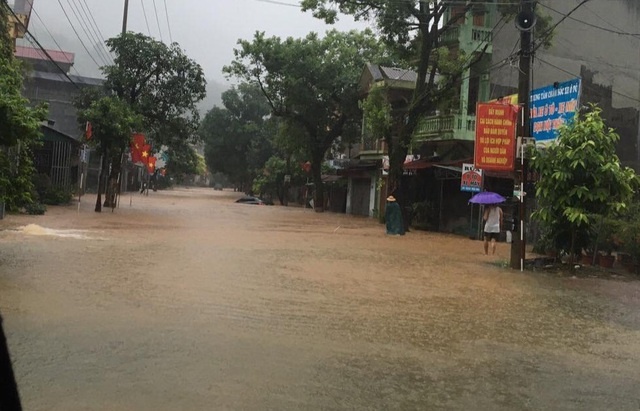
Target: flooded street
187,301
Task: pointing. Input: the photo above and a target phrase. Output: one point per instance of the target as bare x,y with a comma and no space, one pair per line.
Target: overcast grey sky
206,29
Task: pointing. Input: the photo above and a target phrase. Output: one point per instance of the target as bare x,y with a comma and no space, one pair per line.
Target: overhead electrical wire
547,35
96,30
89,35
619,32
146,20
78,35
166,13
53,38
583,84
158,20
31,37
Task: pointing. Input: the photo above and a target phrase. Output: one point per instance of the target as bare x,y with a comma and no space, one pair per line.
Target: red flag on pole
151,165
138,141
135,154
145,153
88,131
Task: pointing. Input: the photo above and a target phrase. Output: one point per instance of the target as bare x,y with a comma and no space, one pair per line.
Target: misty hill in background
214,96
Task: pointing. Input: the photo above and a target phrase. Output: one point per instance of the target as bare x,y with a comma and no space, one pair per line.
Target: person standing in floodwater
492,227
393,217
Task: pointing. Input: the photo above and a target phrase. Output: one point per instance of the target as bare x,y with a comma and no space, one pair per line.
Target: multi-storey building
598,42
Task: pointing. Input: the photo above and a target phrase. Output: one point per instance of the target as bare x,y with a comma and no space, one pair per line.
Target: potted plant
606,243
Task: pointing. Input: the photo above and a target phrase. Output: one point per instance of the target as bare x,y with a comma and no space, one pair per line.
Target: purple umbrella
487,197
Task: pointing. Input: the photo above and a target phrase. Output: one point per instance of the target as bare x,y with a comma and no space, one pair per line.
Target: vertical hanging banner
495,136
471,181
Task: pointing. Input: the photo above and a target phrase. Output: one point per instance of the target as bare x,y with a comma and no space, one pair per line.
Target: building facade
600,43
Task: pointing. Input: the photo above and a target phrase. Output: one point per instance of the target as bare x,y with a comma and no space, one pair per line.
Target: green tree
238,136
311,83
113,122
160,83
19,127
184,161
413,29
580,177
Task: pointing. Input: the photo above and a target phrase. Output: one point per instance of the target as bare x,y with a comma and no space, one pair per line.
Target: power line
28,33
89,35
146,20
619,32
166,13
94,26
575,75
53,38
550,31
77,35
158,20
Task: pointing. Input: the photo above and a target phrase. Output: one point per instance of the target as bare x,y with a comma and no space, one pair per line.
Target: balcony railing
372,145
481,34
451,35
452,126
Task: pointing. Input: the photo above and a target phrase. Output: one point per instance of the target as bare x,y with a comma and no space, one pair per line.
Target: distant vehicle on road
250,200
217,187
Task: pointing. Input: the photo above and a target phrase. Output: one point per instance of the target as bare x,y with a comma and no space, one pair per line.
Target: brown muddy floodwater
187,301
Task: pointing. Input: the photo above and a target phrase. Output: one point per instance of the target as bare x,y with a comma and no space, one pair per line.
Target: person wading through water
393,217
492,227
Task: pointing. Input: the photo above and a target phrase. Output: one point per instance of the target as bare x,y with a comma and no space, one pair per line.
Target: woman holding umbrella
492,226
492,217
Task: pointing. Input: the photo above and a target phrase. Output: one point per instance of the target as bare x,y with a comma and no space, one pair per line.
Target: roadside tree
413,30
581,179
113,121
238,136
312,84
19,127
161,84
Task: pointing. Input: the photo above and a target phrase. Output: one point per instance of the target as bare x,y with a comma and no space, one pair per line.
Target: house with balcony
443,140
366,170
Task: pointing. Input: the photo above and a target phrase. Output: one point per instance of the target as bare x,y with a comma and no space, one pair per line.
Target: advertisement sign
495,136
551,107
471,179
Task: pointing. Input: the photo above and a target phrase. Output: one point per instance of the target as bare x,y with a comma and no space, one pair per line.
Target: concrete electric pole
125,16
525,22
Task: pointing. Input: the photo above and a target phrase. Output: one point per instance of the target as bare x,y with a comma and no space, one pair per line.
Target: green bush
35,209
57,196
630,232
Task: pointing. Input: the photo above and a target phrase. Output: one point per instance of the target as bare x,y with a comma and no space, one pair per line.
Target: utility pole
525,22
125,16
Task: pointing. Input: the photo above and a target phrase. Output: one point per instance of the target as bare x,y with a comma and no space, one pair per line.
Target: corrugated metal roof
393,73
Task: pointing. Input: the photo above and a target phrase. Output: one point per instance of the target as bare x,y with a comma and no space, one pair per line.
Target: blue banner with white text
551,107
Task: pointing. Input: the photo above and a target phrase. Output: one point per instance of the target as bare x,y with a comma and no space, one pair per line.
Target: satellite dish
526,20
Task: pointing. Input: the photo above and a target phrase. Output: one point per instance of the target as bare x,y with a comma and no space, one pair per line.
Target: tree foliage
311,83
160,82
581,177
413,30
113,122
19,127
238,136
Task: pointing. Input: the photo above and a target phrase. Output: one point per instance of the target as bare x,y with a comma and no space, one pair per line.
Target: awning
426,163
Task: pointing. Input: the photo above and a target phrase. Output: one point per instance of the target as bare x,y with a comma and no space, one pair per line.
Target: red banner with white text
495,136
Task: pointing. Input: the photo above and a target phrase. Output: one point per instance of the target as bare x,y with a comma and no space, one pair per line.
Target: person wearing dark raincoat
393,217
